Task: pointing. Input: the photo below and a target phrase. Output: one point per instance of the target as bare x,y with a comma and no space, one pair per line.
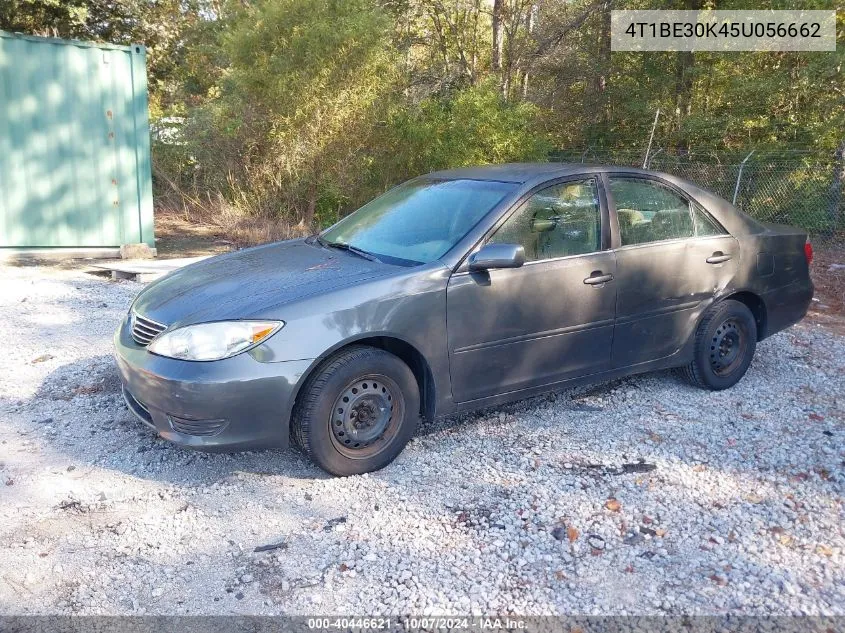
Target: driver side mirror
493,256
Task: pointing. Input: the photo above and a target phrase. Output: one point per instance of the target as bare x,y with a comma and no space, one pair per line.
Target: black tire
381,417
725,341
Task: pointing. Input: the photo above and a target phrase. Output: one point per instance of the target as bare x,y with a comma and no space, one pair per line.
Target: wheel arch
399,347
757,307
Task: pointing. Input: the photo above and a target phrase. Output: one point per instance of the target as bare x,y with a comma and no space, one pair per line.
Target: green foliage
708,101
310,120
57,18
304,109
304,83
791,194
161,25
472,126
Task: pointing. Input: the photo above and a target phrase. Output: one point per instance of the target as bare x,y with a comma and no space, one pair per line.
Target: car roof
508,172
524,172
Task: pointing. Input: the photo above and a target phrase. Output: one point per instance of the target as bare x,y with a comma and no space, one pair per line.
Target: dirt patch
828,272
215,228
178,236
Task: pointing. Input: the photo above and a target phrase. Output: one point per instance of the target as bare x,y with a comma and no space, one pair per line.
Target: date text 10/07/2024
416,623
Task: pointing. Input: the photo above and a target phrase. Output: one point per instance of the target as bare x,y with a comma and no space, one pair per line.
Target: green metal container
74,144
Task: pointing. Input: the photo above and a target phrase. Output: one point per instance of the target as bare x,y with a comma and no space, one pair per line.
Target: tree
56,18
304,84
302,109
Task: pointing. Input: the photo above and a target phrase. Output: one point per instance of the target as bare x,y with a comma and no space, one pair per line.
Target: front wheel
725,341
357,411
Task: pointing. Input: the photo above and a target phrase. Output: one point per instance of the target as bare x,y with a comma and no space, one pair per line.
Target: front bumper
233,404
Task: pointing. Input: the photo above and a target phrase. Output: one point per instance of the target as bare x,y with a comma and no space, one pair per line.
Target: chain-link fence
799,188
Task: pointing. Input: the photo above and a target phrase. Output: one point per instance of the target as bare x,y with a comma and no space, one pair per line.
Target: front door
672,257
546,321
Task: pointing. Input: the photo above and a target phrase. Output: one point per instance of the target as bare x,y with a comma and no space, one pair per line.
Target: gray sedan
456,290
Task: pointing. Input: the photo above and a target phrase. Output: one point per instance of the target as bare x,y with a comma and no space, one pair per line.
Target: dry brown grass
215,227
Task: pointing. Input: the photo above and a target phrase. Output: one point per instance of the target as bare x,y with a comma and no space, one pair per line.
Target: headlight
213,341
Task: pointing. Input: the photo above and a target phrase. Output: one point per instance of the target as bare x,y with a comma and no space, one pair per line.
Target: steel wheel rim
366,416
727,347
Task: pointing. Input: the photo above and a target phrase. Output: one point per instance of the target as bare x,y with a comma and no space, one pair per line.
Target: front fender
410,308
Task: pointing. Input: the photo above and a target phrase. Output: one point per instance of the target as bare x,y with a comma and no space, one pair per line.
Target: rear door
546,321
672,257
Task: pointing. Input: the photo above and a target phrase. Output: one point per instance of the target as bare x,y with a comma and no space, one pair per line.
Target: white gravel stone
500,511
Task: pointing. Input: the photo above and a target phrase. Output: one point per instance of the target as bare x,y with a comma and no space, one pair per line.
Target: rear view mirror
493,256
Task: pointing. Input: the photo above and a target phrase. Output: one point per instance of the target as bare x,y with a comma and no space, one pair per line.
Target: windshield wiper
316,238
348,247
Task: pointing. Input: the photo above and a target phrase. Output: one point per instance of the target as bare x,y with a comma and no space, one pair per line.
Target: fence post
739,176
836,188
651,158
651,138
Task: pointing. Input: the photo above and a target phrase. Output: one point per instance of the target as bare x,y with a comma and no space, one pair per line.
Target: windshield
419,221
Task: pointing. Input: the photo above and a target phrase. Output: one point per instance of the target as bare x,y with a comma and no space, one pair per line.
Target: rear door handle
598,278
718,257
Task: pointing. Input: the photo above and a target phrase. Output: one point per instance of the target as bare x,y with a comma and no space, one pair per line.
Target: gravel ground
640,496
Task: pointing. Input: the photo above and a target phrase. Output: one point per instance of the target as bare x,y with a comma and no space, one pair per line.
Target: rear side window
650,212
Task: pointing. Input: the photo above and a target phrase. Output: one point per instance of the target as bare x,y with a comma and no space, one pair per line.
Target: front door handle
597,277
718,257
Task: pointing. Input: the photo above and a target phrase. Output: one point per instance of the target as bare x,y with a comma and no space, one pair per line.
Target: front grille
201,428
145,330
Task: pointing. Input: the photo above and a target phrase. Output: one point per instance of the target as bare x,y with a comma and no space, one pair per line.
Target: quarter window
650,212
561,220
704,224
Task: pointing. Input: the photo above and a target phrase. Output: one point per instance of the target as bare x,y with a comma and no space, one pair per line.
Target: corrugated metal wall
74,144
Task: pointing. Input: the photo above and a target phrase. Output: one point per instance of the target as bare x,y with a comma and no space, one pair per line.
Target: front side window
648,211
561,220
419,221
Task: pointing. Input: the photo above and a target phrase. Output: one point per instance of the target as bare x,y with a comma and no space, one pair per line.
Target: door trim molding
534,336
677,359
666,310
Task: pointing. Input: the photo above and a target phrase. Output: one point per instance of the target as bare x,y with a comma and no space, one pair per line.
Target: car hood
245,283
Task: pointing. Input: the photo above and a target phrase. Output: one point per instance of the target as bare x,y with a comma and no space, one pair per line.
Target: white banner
723,30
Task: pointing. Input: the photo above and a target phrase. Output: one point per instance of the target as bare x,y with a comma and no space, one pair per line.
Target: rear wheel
725,341
357,412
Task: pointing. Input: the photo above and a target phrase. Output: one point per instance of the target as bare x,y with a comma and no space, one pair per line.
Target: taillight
808,252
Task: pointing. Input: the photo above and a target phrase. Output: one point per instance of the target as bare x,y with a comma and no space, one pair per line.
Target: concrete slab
35,255
144,270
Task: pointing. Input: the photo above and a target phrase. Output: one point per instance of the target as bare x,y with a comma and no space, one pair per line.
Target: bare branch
548,44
